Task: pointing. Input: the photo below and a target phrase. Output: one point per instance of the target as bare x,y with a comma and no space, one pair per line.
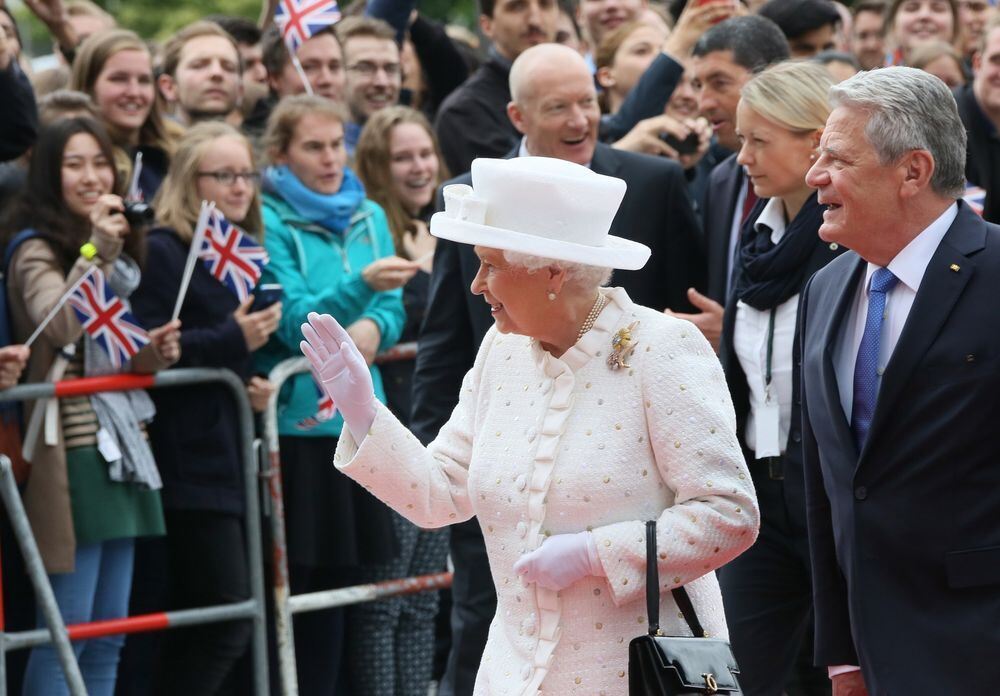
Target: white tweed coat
539,445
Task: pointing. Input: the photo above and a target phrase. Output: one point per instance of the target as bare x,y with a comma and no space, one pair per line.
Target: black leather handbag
660,665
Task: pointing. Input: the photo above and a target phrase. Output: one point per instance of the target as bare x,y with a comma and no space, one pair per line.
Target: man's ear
605,78
516,116
486,25
168,88
918,168
977,61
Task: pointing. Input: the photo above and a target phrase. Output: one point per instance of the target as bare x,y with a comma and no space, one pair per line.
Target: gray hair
580,275
909,109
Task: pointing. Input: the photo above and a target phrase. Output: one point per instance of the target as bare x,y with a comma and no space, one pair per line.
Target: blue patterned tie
866,374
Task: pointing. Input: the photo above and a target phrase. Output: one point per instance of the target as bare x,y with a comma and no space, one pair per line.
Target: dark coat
982,160
724,186
472,122
19,116
195,435
656,211
905,535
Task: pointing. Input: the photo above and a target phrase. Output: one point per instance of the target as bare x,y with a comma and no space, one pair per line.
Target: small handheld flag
231,256
106,318
298,20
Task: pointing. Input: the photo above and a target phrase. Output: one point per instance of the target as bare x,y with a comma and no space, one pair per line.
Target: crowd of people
811,397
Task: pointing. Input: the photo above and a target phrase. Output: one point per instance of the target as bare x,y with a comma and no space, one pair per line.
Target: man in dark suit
900,353
724,59
555,107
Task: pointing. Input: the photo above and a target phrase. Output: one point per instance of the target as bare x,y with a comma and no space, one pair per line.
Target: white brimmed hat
540,206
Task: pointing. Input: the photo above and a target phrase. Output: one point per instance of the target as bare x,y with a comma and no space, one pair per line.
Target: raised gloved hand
560,561
341,370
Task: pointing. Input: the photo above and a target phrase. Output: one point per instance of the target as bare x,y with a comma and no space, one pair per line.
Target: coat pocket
973,567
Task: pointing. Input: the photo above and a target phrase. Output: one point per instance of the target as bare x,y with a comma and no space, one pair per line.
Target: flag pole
302,73
55,310
133,187
199,235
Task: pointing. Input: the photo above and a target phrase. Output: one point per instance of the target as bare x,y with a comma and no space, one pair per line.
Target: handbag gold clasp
711,686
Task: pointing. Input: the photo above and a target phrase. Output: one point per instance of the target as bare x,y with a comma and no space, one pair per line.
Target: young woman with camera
196,438
93,484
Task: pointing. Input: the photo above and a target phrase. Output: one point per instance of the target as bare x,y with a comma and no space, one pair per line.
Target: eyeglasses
229,178
368,69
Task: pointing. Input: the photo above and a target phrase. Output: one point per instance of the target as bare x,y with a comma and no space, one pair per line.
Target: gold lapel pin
955,267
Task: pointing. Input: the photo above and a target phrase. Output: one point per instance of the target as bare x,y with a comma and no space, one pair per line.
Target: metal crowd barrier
61,635
285,604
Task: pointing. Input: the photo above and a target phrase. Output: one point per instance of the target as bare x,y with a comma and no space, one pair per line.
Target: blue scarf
332,211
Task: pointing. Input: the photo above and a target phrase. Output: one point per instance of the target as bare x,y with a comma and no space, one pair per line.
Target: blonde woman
196,436
767,590
116,69
400,164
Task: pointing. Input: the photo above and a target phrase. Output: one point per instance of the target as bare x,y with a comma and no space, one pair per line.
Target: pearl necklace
588,323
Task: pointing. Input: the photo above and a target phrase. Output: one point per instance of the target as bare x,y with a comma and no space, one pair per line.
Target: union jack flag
231,256
325,410
106,318
298,20
975,197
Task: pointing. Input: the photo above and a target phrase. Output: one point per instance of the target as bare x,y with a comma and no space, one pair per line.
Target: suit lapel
939,290
843,295
604,161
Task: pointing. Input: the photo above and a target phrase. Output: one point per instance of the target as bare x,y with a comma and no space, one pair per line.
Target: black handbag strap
653,591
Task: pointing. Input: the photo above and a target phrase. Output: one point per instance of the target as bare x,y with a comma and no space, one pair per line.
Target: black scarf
769,273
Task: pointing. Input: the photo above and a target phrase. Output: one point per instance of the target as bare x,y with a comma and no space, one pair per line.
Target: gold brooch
622,346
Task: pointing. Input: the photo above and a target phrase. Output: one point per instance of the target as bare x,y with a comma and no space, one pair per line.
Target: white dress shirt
767,427
908,266
736,226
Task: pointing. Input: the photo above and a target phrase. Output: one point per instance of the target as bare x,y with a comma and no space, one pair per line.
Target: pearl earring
552,296
812,157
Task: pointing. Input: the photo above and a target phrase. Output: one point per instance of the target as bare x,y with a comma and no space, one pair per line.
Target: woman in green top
330,247
92,486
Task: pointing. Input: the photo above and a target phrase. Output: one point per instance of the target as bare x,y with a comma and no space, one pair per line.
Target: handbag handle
653,591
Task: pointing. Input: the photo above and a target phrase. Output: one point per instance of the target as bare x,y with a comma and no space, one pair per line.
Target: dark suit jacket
656,211
723,190
905,535
736,379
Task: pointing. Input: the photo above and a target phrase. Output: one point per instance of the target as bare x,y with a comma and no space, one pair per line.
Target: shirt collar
773,218
522,151
910,264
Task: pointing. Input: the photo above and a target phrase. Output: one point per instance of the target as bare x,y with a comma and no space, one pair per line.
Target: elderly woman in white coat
583,416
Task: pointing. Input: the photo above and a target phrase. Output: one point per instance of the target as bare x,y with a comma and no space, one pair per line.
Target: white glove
342,371
561,560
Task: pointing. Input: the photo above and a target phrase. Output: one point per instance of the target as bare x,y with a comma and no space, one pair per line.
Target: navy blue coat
195,434
905,535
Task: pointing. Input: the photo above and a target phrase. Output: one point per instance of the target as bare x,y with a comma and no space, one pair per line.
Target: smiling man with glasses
373,71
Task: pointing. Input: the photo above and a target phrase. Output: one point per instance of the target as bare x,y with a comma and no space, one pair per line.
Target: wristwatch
88,251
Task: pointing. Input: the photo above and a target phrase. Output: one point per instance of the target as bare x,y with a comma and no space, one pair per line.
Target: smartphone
688,146
266,295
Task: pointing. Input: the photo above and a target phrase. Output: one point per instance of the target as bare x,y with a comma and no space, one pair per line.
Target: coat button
860,492
522,529
526,672
532,434
521,482
796,437
529,625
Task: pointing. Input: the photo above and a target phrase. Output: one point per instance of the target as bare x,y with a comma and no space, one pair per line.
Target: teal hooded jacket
320,271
